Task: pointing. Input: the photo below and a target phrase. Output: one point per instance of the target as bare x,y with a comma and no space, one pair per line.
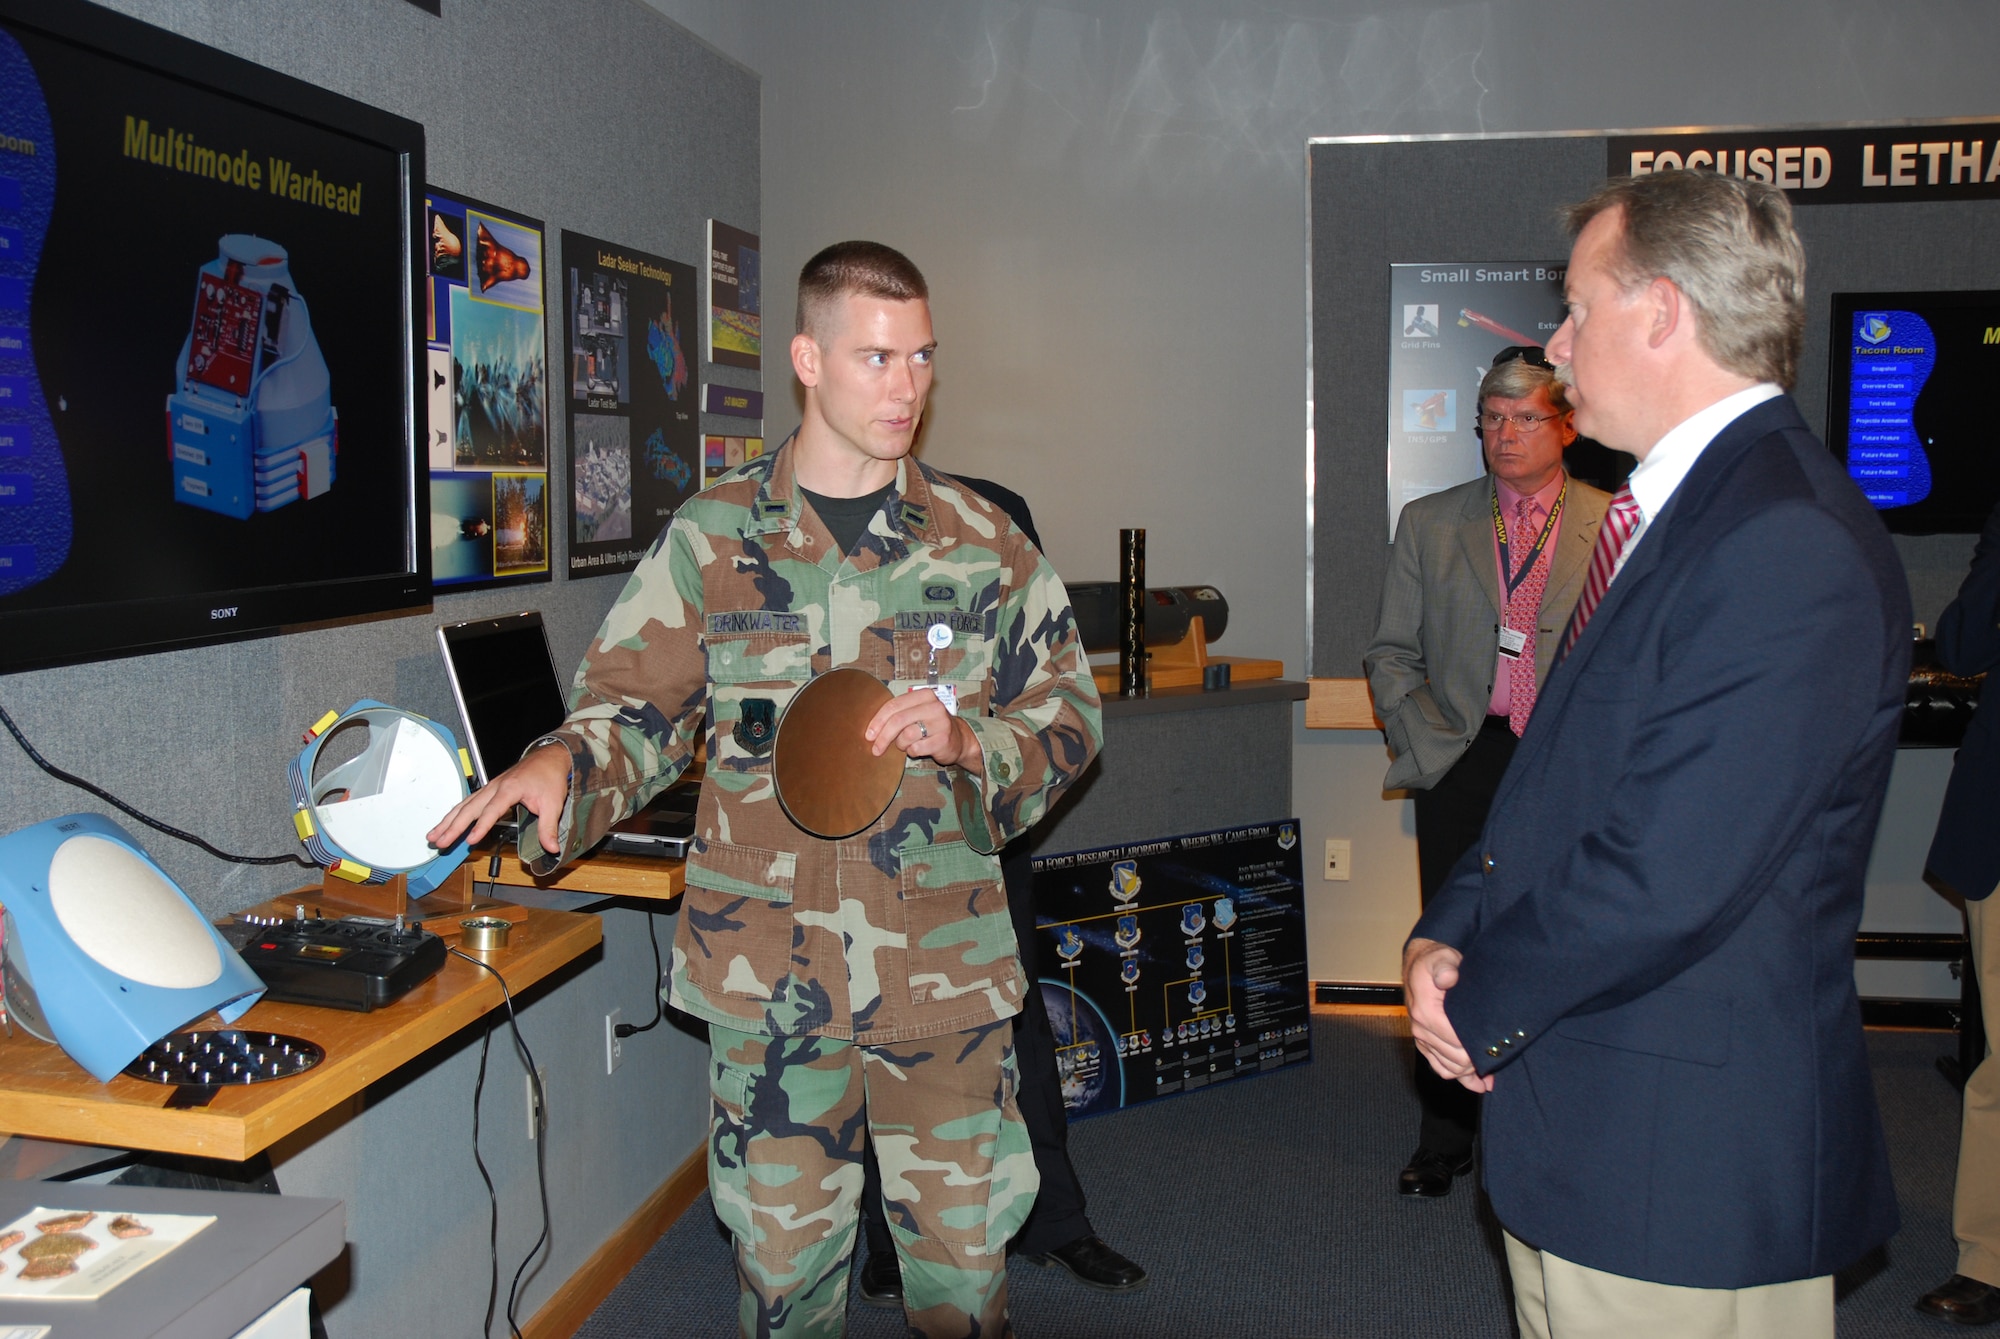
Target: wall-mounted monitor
1910,405
208,345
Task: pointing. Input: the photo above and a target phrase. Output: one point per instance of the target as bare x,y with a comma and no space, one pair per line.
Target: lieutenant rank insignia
758,725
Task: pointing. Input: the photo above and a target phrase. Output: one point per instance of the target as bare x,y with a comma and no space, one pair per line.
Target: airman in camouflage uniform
868,979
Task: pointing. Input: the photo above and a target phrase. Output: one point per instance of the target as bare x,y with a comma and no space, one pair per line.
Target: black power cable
151,822
633,1029
492,1200
541,1161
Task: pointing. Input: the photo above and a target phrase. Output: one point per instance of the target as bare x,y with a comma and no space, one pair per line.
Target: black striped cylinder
1131,613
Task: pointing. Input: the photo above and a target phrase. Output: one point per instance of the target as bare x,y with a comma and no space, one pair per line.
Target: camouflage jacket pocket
944,868
963,665
959,938
760,657
743,871
753,678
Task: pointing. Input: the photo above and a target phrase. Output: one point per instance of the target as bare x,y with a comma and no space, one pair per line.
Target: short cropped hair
867,268
1517,379
1729,246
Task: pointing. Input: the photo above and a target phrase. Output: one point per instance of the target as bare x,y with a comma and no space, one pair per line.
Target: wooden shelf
45,1094
604,873
1340,704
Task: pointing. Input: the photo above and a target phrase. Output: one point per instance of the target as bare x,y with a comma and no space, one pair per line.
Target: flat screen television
1910,383
209,345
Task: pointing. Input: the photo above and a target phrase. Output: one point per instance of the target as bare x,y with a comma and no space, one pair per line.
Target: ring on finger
923,731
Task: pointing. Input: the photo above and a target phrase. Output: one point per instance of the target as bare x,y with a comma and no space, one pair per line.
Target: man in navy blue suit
1647,963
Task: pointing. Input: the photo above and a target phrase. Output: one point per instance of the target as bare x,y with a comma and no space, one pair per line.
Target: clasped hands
1430,970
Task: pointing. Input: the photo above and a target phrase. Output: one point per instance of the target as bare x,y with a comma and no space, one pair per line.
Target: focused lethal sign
1953,161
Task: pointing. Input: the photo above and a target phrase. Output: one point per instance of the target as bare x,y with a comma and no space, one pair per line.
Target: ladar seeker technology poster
628,379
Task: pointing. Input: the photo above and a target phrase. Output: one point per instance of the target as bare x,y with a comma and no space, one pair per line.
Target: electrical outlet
1339,858
614,1045
538,1117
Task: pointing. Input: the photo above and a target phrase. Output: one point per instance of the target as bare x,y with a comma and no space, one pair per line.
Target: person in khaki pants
1647,962
1965,861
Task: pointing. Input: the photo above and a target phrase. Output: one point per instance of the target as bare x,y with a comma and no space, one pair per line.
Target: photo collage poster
488,388
1446,323
735,298
1173,965
635,449
723,454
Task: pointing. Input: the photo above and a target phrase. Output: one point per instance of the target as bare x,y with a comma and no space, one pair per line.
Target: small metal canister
485,933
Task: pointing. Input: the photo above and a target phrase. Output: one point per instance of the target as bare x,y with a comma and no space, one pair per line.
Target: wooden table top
45,1094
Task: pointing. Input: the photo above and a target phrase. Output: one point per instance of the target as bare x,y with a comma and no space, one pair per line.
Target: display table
258,1249
45,1094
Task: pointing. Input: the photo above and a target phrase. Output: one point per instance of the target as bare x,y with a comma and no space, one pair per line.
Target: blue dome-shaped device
105,954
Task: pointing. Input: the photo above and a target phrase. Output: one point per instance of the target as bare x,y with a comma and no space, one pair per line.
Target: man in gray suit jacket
1482,578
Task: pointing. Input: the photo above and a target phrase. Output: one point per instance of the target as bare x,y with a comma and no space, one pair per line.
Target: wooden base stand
1180,664
393,898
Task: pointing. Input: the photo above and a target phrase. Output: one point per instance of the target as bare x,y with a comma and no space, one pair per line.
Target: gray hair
1517,379
1729,246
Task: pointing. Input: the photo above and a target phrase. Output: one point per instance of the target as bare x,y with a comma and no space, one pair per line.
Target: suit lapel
1663,544
1572,556
1475,540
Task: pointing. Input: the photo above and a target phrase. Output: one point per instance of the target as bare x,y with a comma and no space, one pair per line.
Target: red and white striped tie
1616,532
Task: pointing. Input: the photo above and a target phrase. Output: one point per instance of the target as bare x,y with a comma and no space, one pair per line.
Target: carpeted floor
1266,1208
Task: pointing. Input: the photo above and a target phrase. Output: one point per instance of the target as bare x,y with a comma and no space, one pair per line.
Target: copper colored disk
828,781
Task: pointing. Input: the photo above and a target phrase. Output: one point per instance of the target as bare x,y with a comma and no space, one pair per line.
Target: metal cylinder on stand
1131,613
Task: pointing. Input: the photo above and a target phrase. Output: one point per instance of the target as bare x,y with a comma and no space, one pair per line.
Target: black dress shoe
1429,1174
882,1280
1096,1265
1962,1301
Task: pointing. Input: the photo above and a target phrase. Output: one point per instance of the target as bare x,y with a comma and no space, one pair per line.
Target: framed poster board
628,381
735,327
488,387
1171,965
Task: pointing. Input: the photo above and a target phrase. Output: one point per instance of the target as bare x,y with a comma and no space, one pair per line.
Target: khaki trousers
1975,1204
1556,1299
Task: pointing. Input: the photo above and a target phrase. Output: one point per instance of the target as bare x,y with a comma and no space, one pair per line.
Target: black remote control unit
354,962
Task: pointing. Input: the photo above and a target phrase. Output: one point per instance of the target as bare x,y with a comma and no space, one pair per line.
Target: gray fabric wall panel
1374,205
1169,773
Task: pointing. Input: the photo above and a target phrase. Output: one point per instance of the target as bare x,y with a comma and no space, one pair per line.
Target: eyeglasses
1525,423
1534,355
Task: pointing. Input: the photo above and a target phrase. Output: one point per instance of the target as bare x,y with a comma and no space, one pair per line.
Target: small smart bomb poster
1446,322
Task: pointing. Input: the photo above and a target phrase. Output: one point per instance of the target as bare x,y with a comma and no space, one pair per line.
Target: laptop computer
508,694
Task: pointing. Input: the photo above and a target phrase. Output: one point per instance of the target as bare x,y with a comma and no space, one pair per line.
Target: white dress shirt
1656,478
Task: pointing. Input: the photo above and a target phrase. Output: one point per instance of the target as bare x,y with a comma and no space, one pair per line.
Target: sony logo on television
230,612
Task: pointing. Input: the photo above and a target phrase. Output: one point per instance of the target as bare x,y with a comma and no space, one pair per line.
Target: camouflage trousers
787,1116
